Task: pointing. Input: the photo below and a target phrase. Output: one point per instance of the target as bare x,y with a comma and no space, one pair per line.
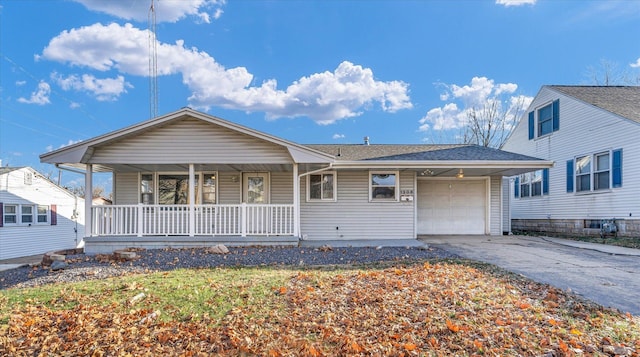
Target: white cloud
636,65
20,83
516,2
107,89
165,10
39,96
69,142
338,136
474,96
324,97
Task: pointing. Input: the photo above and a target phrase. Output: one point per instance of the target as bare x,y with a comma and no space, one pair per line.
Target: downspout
88,214
75,198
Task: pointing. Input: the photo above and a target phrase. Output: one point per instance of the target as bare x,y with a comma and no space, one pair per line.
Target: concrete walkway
7,264
607,275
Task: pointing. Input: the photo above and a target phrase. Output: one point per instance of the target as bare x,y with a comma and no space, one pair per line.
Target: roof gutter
70,169
408,164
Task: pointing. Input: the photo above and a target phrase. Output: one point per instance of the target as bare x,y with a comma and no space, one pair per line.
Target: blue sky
307,71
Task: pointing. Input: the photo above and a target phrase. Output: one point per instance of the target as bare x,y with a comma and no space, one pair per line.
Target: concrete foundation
572,227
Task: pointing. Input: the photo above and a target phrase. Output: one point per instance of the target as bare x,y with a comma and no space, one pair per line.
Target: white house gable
596,153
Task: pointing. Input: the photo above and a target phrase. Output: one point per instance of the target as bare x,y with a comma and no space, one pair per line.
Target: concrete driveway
608,275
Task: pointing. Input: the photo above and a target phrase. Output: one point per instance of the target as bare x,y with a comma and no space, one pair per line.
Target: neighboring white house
592,133
36,215
191,179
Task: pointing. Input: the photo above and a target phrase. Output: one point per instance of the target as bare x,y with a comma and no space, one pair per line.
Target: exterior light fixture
460,174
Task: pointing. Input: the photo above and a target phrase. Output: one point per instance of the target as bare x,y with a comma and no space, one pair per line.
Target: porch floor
109,244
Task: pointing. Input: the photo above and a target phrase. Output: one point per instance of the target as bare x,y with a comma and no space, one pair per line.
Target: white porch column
88,195
296,201
192,201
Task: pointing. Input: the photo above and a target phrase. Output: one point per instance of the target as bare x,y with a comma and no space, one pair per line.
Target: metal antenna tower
153,63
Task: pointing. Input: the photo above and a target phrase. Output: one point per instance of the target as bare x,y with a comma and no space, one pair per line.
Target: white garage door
452,206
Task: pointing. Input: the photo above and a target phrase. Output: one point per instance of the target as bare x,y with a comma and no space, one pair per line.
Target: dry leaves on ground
430,309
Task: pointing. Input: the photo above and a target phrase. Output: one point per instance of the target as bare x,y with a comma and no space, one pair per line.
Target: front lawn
433,308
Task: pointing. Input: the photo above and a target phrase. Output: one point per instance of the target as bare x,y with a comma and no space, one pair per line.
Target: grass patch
452,307
629,242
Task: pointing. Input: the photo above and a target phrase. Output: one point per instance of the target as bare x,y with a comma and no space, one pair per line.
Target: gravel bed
86,267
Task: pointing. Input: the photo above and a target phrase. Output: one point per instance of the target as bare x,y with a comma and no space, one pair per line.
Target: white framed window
602,171
545,120
10,214
147,189
532,184
26,215
383,185
19,214
42,214
209,188
322,186
583,173
172,188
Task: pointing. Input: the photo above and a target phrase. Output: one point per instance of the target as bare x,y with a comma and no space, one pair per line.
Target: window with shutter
616,168
570,175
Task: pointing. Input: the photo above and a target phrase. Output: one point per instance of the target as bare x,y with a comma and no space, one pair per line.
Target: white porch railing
210,220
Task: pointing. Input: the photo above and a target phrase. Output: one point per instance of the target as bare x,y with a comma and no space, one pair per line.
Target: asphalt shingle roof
620,100
453,152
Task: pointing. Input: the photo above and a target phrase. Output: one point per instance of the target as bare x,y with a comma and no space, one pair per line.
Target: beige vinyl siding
282,187
191,141
584,129
352,216
126,192
229,187
495,210
505,214
24,240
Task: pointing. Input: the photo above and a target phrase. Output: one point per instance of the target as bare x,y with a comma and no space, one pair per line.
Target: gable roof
81,152
620,100
48,181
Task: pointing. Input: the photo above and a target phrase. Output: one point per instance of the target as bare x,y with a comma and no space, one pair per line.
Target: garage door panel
451,206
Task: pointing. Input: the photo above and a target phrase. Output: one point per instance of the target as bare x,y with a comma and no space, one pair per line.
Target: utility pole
153,63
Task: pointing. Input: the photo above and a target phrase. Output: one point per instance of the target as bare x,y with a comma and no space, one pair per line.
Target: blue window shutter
556,115
569,175
516,187
545,181
532,125
1,215
617,168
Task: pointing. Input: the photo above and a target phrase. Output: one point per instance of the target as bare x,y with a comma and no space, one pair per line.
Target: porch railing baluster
224,219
